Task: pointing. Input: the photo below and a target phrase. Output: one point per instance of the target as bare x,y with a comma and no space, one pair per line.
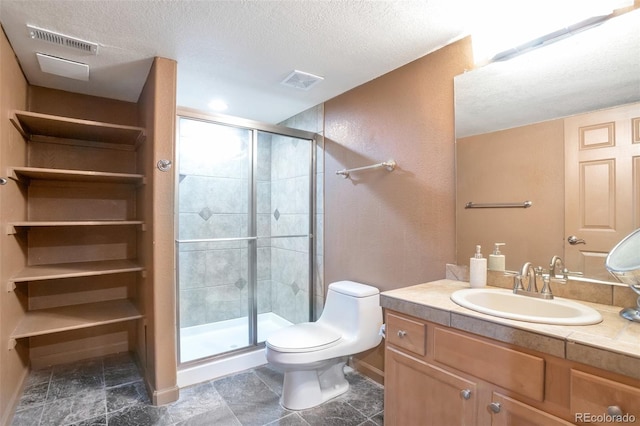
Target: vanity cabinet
437,375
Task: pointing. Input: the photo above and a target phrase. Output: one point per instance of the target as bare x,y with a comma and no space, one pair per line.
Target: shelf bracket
11,344
11,230
11,285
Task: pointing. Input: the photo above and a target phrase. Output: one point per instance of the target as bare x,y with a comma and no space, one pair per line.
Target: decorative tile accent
276,214
205,213
295,288
241,283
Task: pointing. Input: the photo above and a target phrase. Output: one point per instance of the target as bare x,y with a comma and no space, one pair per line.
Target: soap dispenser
496,259
478,269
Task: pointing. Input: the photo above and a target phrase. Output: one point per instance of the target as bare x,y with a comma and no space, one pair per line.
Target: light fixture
218,105
511,28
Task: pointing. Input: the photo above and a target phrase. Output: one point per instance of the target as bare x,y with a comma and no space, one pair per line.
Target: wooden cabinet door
602,185
418,393
509,412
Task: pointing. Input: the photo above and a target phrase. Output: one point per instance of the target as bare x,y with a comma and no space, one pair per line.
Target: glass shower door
284,225
214,237
244,235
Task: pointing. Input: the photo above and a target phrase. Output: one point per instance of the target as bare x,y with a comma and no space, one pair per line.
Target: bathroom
402,224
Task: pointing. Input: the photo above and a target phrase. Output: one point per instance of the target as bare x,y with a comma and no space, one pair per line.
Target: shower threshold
206,340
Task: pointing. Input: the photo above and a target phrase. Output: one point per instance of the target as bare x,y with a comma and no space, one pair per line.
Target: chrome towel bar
472,205
389,165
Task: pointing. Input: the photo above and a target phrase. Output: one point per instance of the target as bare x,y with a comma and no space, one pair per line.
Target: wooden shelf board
65,318
77,269
74,175
32,123
54,223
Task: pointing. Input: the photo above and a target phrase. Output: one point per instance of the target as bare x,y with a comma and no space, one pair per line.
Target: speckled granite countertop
613,344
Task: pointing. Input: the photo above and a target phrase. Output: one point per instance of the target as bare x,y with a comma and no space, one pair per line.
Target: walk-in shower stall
245,225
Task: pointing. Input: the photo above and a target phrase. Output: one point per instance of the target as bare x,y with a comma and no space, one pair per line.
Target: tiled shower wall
213,204
312,120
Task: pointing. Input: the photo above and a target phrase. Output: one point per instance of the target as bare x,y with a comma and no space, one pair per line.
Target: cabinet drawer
512,370
593,396
406,334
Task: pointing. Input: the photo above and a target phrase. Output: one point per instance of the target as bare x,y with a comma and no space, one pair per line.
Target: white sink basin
505,304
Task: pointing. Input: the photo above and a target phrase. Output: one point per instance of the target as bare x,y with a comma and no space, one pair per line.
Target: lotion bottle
478,269
496,259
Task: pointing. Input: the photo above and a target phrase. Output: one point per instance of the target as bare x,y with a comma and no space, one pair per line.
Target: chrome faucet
556,262
558,272
533,274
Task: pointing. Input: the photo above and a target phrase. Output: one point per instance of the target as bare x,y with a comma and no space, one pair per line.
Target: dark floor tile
33,395
96,421
140,415
82,406
364,394
378,418
333,413
119,397
219,416
292,419
77,370
27,417
272,377
40,375
73,386
120,369
195,400
250,399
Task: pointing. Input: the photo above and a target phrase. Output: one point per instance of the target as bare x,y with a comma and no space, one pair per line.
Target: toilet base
303,389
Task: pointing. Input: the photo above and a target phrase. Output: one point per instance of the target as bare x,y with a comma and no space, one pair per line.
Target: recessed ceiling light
218,105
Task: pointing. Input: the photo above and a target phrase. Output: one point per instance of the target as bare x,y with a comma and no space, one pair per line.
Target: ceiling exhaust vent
62,40
301,80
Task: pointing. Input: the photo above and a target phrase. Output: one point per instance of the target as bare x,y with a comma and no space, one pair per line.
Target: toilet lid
305,337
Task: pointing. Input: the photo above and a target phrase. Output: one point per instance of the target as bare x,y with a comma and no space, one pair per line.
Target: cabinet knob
465,393
614,410
495,407
401,333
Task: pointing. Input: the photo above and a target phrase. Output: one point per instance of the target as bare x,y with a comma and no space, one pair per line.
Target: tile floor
109,391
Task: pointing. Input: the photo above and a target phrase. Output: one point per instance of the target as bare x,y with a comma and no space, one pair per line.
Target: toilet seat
305,337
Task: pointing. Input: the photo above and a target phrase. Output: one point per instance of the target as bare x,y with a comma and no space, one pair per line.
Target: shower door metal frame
255,127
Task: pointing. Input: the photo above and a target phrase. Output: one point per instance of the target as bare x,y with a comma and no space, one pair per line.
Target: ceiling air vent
301,80
62,40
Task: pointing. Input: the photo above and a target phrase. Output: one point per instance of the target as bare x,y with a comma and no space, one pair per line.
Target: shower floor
206,340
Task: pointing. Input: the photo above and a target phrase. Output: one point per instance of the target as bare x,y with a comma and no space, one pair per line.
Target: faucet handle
517,283
546,288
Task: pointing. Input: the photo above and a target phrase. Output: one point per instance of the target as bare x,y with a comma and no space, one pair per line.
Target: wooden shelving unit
32,124
65,318
75,270
25,174
81,137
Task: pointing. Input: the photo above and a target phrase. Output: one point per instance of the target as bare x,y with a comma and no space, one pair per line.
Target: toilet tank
354,309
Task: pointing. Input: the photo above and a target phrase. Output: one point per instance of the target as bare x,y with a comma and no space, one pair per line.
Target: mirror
510,137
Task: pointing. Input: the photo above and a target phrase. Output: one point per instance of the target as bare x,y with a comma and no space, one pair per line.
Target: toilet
313,354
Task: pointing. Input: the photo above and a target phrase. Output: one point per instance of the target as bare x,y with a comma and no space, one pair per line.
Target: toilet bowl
312,355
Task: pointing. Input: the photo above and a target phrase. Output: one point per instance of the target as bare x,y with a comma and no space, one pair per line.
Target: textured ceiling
595,69
236,50
241,50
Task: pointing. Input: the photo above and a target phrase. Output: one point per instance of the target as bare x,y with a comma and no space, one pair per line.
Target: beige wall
514,165
394,229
